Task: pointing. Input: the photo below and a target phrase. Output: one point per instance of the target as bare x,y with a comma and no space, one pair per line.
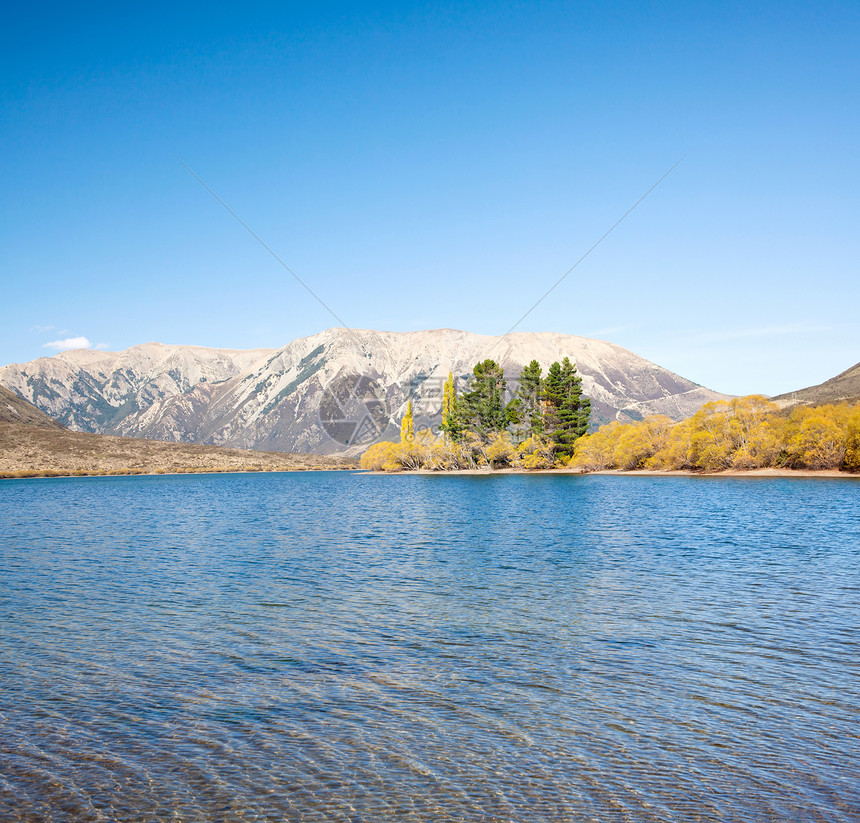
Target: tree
482,409
596,452
500,452
535,453
449,396
450,424
479,428
818,437
380,457
638,442
529,395
737,433
407,427
852,441
566,413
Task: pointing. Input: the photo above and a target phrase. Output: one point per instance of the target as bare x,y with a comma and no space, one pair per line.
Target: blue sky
427,165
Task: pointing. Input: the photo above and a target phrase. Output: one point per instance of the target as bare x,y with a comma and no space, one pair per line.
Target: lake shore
638,473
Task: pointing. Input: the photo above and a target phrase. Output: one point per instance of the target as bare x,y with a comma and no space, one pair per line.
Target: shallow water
338,647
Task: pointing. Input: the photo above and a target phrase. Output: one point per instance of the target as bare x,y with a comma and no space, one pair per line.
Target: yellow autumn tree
500,452
413,453
817,437
536,452
851,462
627,446
757,433
449,398
595,452
443,454
673,454
637,443
407,426
740,429
378,456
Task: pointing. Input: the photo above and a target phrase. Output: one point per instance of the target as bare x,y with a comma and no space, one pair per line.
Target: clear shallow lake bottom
339,647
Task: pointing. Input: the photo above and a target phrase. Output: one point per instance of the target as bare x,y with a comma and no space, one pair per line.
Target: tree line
743,433
537,428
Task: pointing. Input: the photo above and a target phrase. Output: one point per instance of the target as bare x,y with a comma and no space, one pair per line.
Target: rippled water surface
339,647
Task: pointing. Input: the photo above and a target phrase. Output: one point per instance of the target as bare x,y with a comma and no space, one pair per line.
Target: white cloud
68,344
41,329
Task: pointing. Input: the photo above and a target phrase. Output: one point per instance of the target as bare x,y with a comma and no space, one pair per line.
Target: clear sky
428,165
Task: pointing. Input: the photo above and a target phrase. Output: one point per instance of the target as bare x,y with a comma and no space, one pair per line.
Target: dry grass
30,451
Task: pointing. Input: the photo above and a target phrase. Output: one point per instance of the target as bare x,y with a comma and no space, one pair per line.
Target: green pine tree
567,412
529,395
482,409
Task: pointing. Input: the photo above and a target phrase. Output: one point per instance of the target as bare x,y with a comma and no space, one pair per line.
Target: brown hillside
15,409
844,388
44,450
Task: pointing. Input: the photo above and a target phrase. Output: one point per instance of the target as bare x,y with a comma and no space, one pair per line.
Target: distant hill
15,409
38,450
31,443
332,392
844,388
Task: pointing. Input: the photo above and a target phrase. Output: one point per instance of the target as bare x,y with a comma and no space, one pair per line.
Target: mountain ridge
322,392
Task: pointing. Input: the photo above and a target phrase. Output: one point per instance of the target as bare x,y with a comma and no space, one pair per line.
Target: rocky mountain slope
14,409
845,387
333,391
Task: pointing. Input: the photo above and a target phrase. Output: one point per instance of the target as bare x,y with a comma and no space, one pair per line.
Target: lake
342,647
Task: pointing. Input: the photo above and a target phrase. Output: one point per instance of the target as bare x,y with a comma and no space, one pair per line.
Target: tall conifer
567,413
529,394
482,409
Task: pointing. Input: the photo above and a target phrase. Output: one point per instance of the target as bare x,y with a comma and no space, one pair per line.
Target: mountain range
328,393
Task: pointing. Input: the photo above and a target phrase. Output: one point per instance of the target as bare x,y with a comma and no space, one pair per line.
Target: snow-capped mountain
333,391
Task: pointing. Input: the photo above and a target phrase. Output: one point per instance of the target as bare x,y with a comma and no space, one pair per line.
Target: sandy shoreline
822,473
